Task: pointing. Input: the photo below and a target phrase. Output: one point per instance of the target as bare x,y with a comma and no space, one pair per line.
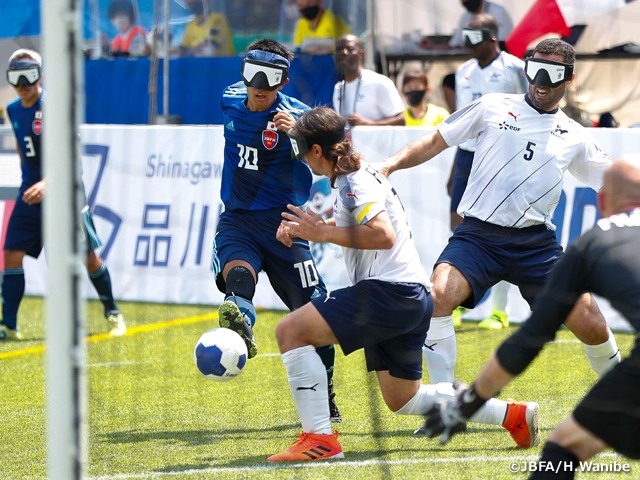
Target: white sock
492,412
603,357
426,398
500,296
439,350
308,384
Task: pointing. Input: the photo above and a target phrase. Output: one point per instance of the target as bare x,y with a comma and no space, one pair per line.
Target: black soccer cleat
423,430
334,413
230,316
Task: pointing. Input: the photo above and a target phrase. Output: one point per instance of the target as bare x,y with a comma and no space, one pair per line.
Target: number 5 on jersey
529,151
248,157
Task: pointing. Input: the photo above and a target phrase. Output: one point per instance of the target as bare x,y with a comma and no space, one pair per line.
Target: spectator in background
210,38
474,7
415,88
364,97
131,39
318,29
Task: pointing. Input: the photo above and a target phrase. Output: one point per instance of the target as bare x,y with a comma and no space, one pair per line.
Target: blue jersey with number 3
27,127
259,172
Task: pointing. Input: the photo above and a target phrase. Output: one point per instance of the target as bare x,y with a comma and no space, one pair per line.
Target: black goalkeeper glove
449,415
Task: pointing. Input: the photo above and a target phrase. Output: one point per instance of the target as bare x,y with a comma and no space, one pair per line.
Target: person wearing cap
259,179
525,143
489,70
24,232
385,311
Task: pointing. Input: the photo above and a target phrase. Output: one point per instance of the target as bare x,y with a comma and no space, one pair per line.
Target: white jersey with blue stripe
505,74
522,154
362,195
259,172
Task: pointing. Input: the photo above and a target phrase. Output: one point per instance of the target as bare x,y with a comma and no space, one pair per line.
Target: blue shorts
486,254
251,236
461,171
389,320
24,232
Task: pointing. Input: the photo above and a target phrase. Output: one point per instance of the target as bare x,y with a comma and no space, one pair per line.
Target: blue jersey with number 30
259,172
27,127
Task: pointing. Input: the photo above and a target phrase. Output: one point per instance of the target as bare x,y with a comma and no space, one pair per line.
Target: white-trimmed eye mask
547,73
23,73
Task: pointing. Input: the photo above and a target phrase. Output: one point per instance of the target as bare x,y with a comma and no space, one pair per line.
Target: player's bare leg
450,289
588,324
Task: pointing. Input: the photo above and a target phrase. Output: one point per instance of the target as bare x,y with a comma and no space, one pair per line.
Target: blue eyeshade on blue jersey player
24,231
259,179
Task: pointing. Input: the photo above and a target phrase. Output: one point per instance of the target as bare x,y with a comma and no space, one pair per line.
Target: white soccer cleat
117,323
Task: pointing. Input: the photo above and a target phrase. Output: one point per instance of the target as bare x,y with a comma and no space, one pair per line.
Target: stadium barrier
154,193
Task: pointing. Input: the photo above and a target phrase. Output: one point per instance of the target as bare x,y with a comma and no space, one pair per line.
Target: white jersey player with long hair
525,143
386,311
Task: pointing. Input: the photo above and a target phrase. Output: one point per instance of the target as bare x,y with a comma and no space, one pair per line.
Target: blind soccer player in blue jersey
24,232
387,309
525,143
605,261
259,179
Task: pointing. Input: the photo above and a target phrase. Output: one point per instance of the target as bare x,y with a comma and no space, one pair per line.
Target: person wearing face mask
131,38
474,7
210,38
317,29
415,88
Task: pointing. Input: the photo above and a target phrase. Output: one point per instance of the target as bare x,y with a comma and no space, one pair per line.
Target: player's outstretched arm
417,152
376,234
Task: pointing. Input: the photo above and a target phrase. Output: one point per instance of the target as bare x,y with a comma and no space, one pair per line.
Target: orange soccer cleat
521,422
310,446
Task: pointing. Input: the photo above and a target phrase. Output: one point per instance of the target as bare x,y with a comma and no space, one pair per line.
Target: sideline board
154,194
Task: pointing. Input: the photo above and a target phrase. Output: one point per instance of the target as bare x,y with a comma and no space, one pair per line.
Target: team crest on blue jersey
269,139
37,126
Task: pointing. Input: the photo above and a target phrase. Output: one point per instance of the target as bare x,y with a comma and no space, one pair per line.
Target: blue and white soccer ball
220,354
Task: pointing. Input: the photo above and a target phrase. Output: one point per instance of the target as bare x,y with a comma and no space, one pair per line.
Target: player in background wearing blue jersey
24,232
259,179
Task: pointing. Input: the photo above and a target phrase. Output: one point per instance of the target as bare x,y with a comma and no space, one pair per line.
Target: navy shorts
24,232
461,171
486,254
251,236
611,409
389,320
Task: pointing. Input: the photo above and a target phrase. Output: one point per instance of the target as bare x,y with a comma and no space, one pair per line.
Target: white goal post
66,385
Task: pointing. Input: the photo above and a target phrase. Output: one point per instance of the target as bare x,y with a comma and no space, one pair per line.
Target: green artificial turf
153,415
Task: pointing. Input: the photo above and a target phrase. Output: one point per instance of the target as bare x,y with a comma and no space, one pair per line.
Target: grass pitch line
100,337
328,464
